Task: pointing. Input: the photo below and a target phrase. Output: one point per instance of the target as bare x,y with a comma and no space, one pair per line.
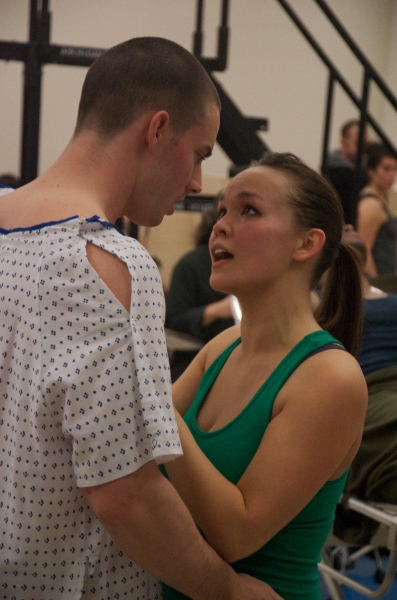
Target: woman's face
254,238
384,174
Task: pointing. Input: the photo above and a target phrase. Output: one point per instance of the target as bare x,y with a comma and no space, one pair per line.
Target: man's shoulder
335,160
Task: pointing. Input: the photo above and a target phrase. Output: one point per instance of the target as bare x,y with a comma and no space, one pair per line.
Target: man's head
349,140
169,166
141,75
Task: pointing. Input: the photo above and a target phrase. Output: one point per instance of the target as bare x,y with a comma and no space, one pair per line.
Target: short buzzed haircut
140,75
347,126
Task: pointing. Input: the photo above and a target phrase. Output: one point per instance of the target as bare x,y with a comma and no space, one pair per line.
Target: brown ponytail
341,309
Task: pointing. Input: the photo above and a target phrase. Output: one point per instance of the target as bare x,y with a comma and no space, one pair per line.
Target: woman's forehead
258,180
388,161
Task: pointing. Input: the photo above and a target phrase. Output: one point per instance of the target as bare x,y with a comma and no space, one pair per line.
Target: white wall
390,119
272,72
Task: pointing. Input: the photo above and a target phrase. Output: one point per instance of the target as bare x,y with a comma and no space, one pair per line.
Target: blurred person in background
376,224
341,169
372,474
193,307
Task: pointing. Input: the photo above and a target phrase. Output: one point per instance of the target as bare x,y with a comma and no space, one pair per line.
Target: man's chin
155,222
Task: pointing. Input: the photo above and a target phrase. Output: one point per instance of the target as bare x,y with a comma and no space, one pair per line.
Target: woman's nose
220,226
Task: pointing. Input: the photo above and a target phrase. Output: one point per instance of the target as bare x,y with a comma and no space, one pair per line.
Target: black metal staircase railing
370,75
238,134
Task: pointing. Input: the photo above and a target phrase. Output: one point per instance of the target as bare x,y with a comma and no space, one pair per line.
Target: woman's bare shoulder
218,344
338,378
369,195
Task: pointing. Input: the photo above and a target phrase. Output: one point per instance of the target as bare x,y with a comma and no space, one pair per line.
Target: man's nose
195,183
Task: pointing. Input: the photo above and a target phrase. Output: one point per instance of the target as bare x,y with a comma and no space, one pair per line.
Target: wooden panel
170,240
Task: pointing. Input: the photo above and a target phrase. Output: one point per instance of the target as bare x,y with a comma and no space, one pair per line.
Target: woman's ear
156,128
311,243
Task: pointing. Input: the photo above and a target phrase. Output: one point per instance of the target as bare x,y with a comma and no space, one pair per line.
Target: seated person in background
341,170
375,465
273,409
193,306
373,473
376,224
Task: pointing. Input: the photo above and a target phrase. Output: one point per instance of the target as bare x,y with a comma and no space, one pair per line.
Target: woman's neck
275,322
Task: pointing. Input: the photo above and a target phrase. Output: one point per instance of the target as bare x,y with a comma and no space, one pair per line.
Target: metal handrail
358,53
370,74
218,63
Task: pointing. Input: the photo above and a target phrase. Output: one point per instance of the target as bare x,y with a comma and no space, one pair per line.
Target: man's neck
349,159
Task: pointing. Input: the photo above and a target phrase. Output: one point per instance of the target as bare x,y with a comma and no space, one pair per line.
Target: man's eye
221,213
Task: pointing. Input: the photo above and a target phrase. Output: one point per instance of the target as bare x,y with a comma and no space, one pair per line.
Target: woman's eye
250,210
221,213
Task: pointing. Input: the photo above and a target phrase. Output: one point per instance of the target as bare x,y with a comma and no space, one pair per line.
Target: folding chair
385,537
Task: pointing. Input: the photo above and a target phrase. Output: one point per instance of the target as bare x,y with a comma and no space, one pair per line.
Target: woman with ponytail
273,410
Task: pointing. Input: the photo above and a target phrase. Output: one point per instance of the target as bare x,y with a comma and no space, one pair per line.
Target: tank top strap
309,345
212,372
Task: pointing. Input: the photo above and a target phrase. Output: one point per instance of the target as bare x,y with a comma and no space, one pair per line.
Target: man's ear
311,243
157,126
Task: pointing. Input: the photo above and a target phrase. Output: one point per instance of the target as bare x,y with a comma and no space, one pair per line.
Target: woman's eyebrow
243,195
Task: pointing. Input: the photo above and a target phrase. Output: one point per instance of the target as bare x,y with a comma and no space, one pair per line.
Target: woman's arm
370,217
313,436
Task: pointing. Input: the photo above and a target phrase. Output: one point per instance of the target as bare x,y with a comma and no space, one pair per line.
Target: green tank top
288,562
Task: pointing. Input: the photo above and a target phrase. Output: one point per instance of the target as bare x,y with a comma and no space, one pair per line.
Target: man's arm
146,517
148,521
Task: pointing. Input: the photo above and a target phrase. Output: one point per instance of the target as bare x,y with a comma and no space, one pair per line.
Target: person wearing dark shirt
341,172
193,306
376,223
379,343
372,475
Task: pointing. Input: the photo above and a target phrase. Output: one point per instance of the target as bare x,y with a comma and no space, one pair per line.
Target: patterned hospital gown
85,398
